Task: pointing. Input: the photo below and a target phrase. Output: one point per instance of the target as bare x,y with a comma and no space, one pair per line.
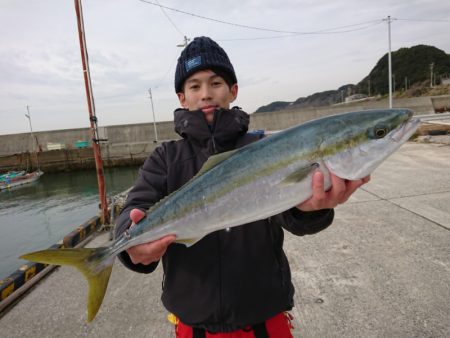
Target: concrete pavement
381,270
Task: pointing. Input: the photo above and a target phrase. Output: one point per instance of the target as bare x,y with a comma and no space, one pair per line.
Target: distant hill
315,100
410,67
274,106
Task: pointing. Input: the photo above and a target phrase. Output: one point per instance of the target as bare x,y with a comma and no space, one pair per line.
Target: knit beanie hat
203,53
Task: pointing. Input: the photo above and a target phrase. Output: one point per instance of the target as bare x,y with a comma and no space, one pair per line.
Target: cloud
133,47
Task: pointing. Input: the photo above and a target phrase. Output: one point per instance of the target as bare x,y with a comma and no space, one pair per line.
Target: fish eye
380,131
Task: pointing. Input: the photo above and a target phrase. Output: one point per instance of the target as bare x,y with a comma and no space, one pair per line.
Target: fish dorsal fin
208,165
300,174
215,160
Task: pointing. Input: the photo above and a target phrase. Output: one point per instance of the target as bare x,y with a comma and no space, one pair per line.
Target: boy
234,282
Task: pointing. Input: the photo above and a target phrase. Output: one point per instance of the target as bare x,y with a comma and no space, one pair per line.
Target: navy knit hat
203,53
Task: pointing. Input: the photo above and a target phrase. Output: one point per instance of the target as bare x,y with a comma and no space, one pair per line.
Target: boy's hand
340,192
148,252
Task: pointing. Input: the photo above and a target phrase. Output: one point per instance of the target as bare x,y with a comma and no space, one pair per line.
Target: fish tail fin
94,263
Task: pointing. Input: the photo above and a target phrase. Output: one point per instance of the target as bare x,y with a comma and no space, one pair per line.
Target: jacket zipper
213,143
220,278
213,127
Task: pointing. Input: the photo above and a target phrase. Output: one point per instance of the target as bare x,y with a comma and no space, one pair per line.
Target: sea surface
35,216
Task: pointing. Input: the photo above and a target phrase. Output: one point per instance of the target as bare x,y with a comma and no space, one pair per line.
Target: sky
288,49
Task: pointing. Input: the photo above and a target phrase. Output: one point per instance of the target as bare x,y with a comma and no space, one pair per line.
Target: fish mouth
405,130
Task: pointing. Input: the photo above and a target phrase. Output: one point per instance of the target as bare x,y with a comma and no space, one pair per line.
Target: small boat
10,182
11,174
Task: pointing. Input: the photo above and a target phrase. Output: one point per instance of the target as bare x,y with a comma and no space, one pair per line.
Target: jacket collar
227,126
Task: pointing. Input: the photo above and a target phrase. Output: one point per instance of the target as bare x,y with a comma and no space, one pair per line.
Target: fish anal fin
188,241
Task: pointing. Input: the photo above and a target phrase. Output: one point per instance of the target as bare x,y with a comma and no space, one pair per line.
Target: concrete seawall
289,117
130,144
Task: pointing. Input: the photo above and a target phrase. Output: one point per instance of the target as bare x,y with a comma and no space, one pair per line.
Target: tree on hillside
412,63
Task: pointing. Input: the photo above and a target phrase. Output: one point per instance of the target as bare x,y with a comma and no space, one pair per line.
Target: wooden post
92,117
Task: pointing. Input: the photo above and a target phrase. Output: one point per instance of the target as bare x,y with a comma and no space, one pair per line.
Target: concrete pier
381,270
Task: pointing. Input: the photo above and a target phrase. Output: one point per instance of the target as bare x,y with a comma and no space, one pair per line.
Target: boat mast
33,140
92,118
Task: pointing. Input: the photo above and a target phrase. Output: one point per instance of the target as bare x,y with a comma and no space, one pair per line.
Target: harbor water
35,216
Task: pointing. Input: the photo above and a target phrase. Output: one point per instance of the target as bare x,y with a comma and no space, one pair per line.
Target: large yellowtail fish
248,184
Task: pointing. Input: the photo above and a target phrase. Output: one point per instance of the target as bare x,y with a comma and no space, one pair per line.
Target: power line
368,23
167,72
168,18
426,20
214,20
323,31
377,22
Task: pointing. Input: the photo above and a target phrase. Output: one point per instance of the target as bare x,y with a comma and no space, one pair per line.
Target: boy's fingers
150,252
338,188
136,215
318,185
162,243
168,239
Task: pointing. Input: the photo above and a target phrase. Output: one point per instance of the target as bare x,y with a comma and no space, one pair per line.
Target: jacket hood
227,126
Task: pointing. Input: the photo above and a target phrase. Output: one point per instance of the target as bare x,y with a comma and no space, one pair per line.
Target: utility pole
369,87
388,19
92,118
154,120
406,83
431,74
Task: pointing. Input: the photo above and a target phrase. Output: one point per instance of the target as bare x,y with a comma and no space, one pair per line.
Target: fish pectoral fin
215,160
299,174
188,241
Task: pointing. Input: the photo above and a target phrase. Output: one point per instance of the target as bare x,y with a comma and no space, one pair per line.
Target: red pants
278,326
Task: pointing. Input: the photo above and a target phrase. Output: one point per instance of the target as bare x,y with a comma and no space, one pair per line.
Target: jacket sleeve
149,188
302,223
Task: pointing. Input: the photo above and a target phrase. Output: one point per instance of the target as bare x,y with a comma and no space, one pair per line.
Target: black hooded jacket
231,278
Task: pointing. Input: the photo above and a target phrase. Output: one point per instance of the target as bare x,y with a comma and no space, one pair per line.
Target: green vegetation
412,64
411,67
277,105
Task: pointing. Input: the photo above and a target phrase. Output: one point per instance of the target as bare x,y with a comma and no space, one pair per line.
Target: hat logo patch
192,63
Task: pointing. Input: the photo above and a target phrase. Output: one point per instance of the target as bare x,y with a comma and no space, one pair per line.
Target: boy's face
207,91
